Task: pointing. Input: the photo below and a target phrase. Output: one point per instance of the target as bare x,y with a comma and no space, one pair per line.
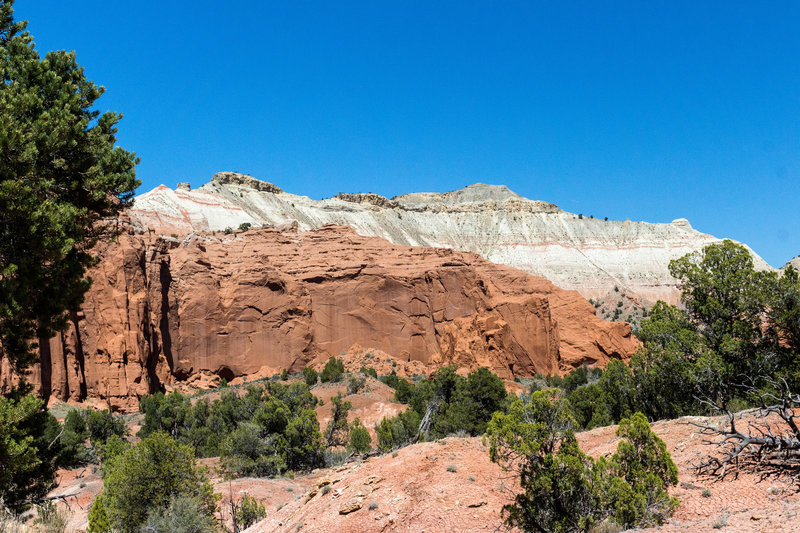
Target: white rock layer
588,255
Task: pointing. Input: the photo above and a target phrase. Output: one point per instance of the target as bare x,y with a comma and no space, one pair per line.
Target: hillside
573,251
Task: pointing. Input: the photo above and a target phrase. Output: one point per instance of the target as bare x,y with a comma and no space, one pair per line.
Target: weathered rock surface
163,310
591,256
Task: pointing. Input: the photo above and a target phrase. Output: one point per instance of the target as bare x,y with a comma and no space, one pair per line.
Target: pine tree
61,176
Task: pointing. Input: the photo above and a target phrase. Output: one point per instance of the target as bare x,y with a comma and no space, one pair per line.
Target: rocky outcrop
162,310
577,252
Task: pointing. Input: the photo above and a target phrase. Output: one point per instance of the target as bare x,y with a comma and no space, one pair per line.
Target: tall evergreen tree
61,178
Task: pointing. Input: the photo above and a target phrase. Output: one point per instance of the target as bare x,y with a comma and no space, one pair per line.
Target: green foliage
589,406
565,490
114,447
310,376
244,226
643,469
337,431
249,511
30,450
369,371
360,441
455,404
398,430
284,374
333,371
60,176
184,514
98,517
73,437
102,425
264,432
147,477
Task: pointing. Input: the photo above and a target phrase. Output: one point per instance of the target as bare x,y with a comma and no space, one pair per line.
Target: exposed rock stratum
161,310
589,255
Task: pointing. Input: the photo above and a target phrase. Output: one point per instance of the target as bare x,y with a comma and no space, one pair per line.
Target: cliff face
162,310
591,256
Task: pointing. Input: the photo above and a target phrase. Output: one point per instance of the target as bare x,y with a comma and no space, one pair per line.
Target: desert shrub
50,518
355,384
642,469
369,371
360,441
589,407
249,511
108,452
267,430
398,430
98,517
102,425
30,450
310,376
333,371
73,439
183,514
563,489
337,431
148,477
244,226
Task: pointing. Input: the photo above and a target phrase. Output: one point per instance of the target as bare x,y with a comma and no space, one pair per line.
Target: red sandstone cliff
160,311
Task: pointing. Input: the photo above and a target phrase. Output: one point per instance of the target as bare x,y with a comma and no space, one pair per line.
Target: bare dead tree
764,440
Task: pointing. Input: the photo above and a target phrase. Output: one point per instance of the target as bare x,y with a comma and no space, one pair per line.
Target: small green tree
565,490
148,476
337,430
30,450
536,440
310,376
360,441
98,517
102,425
333,371
644,464
249,511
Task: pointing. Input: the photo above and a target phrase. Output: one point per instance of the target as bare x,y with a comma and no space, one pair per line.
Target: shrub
369,371
51,518
30,450
249,511
355,384
360,441
337,430
310,376
146,478
244,226
333,371
98,517
565,490
73,438
103,424
183,514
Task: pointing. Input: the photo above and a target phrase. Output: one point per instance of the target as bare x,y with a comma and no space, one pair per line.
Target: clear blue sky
641,110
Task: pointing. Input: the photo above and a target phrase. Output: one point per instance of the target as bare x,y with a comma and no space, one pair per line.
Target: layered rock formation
161,310
589,255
